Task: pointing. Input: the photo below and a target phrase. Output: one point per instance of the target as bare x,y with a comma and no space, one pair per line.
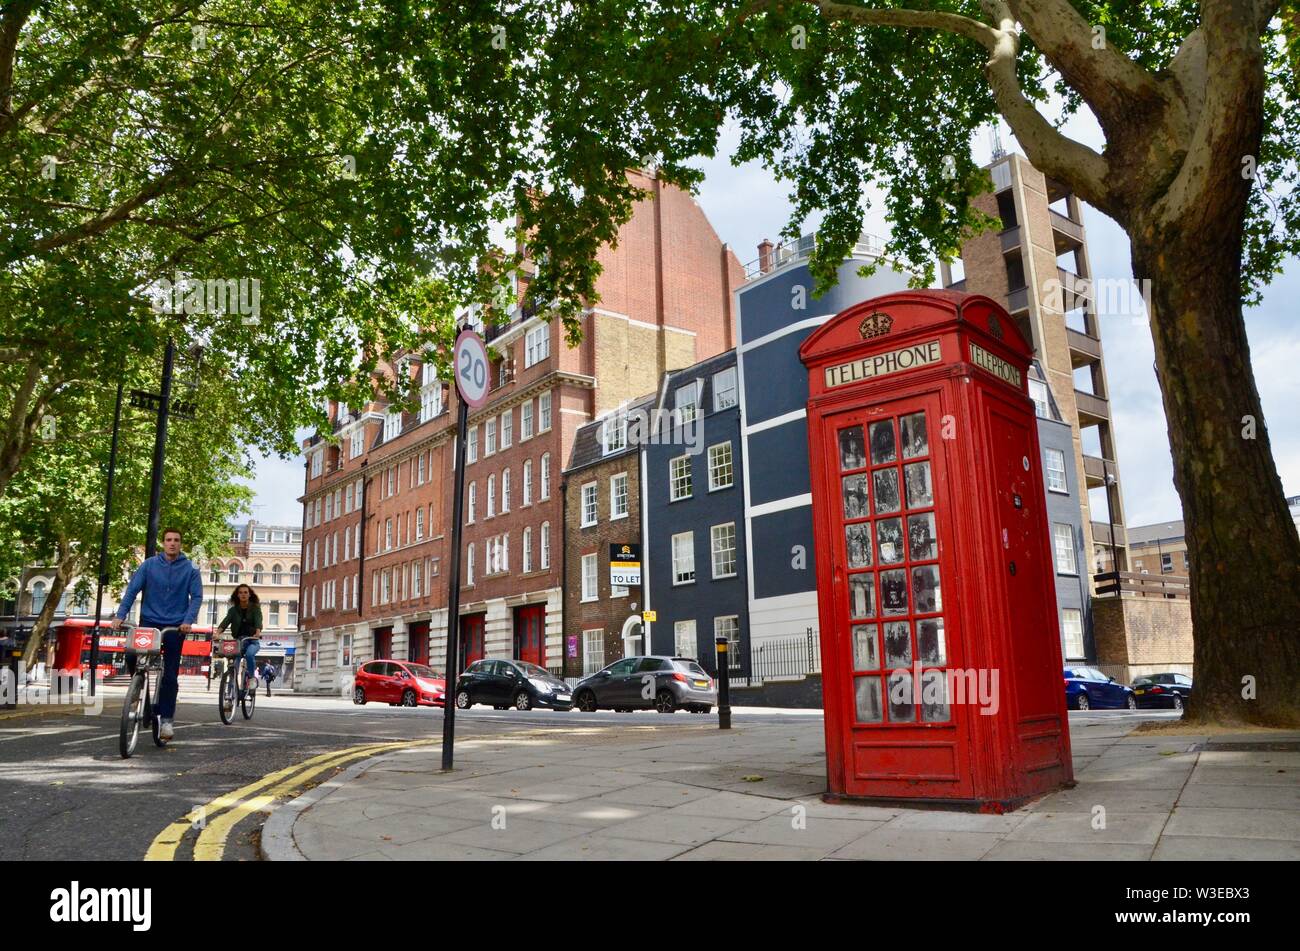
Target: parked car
1087,688
399,682
1162,690
666,684
511,683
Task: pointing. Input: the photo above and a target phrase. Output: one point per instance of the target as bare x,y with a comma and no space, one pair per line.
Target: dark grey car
665,684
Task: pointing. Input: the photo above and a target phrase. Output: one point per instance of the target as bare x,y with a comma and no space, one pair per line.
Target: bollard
724,685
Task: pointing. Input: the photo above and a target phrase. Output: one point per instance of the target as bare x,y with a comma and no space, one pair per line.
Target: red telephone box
941,655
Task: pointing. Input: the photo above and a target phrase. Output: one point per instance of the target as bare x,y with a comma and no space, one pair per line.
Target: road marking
211,842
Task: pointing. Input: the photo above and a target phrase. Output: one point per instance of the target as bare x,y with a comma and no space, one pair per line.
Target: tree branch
11,26
1053,153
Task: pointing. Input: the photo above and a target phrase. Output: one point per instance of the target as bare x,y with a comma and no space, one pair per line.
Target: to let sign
625,565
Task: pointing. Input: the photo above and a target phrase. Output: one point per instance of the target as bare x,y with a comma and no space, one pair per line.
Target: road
68,794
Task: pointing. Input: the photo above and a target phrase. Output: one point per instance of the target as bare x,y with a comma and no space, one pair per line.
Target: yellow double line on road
233,807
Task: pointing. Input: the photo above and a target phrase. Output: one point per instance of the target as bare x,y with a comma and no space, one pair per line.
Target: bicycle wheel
248,698
132,713
226,697
155,721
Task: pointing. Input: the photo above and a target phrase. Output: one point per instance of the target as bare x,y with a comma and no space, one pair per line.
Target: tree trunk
62,575
1242,544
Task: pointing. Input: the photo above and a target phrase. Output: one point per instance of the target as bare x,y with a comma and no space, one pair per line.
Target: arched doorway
632,645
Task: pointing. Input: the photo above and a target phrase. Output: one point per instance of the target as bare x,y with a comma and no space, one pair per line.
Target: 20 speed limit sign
472,369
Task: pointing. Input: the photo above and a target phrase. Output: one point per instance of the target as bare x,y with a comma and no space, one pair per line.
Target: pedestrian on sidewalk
268,674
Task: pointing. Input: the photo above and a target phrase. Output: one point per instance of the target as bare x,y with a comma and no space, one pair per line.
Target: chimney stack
765,261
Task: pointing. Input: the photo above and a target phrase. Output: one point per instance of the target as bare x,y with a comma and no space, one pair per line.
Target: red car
399,682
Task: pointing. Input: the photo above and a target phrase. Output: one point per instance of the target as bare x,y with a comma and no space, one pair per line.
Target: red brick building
375,587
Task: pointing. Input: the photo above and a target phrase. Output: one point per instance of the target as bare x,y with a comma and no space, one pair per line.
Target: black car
511,683
1162,690
665,684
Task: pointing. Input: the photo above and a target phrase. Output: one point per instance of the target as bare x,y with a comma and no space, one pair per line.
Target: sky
746,204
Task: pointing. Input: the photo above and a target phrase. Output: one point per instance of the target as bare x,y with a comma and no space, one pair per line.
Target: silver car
667,684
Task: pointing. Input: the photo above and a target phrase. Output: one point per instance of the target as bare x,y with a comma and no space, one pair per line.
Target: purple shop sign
573,645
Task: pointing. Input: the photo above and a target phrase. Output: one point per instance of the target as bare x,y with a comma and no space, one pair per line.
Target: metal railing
1143,585
802,249
782,658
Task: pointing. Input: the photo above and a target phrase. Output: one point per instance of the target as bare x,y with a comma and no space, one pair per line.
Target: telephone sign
472,369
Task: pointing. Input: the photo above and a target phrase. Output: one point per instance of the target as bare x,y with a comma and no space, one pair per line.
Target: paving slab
518,836
1235,823
888,843
1067,852
748,852
598,846
806,833
1142,828
1197,848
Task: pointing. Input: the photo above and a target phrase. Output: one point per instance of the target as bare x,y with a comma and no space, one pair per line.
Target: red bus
72,650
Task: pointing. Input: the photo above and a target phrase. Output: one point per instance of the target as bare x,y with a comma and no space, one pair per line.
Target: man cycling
173,593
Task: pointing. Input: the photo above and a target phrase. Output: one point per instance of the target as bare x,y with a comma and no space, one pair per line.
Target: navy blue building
695,566
776,311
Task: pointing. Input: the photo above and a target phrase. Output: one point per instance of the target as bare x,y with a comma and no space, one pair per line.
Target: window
679,478
589,504
491,496
316,463
593,651
505,490
338,503
684,642
688,399
1038,393
214,574
419,473
293,575
729,627
724,389
1056,471
469,564
546,545
721,474
489,437
723,543
430,395
39,593
392,425
613,434
313,653
391,481
358,442
473,500
618,496
1072,632
386,586
537,344
590,576
1166,562
471,446
546,476
544,412
684,558
415,579
293,614
345,650
232,573
526,421
528,482
1063,535
276,573
528,550
419,523
388,534
212,612
347,499
507,428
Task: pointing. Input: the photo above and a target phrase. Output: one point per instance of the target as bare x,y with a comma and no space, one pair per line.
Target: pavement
688,791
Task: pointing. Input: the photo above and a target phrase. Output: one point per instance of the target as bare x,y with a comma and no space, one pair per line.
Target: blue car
1087,688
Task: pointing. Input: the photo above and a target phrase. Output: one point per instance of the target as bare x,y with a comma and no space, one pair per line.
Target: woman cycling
245,620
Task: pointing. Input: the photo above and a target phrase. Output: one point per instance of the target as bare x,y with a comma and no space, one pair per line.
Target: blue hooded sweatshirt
173,591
